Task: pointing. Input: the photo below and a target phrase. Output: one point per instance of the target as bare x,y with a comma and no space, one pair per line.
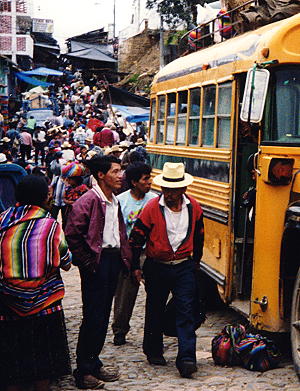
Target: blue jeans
160,280
98,290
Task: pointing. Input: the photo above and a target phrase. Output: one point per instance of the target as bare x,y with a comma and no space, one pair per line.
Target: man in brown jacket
96,235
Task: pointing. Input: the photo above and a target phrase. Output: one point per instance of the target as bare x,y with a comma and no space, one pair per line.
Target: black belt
111,250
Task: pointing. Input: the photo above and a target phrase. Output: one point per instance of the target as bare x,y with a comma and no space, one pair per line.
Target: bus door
244,215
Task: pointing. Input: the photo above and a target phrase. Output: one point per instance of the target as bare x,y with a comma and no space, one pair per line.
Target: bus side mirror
255,93
277,171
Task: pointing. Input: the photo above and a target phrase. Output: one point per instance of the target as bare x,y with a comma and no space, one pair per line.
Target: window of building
171,114
194,117
208,117
160,119
182,114
224,114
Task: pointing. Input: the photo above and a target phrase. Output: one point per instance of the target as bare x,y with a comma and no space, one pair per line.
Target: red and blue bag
233,346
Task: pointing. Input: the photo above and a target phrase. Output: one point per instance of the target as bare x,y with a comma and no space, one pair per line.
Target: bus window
282,122
194,118
171,113
160,120
224,113
152,120
208,118
182,113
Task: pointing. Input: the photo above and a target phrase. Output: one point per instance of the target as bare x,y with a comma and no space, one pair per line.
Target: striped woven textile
32,249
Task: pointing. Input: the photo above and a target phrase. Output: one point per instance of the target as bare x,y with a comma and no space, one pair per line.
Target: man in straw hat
171,226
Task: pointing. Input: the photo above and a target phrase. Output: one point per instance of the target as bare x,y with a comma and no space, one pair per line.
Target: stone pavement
138,375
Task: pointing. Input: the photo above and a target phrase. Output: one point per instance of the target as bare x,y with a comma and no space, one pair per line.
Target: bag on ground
233,346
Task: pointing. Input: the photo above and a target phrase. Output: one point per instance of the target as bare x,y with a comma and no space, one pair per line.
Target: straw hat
5,140
90,155
55,129
116,148
140,141
173,176
124,144
107,151
66,144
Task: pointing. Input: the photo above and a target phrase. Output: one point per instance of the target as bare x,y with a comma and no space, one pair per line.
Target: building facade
16,42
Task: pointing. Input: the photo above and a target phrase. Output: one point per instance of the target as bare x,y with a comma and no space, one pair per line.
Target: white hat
124,144
140,141
107,151
116,148
6,140
90,155
173,176
66,144
3,158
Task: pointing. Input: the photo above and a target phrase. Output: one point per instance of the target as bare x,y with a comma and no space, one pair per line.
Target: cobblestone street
138,375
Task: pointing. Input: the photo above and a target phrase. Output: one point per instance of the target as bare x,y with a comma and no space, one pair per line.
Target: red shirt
105,138
94,123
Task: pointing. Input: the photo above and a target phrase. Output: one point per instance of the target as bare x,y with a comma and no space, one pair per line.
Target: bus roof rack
226,24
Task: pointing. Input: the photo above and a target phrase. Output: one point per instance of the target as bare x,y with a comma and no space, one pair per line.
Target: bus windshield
281,119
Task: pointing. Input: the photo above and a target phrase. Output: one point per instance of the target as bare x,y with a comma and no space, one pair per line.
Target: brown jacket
84,231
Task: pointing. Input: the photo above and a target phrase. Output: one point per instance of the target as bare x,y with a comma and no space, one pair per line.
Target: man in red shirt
171,226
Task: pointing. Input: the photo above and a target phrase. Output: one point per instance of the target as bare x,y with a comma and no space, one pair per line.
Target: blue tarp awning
42,71
31,80
133,113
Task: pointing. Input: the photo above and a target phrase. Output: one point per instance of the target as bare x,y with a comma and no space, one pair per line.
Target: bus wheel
295,325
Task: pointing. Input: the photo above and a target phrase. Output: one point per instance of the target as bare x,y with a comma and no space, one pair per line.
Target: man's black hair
101,164
135,171
32,190
135,157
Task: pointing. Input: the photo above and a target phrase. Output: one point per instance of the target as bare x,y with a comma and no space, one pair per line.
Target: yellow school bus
246,165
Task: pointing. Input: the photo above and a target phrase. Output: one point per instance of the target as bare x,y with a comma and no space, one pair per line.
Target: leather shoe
107,374
88,382
187,368
157,360
119,339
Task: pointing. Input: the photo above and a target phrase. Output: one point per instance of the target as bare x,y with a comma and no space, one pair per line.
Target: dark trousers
125,298
39,147
55,211
160,280
98,290
25,150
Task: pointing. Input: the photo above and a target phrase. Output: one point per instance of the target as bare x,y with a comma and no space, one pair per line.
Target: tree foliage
174,12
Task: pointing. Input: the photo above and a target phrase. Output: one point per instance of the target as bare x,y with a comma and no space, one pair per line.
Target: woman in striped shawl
33,343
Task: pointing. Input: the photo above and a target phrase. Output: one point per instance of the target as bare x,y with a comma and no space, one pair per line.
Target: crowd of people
82,165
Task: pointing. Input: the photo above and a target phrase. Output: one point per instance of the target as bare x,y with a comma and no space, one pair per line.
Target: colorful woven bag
223,352
257,353
233,346
224,24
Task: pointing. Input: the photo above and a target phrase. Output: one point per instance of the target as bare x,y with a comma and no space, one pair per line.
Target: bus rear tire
295,325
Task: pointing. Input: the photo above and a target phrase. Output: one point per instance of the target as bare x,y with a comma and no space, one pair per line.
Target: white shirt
177,222
111,234
68,155
40,136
